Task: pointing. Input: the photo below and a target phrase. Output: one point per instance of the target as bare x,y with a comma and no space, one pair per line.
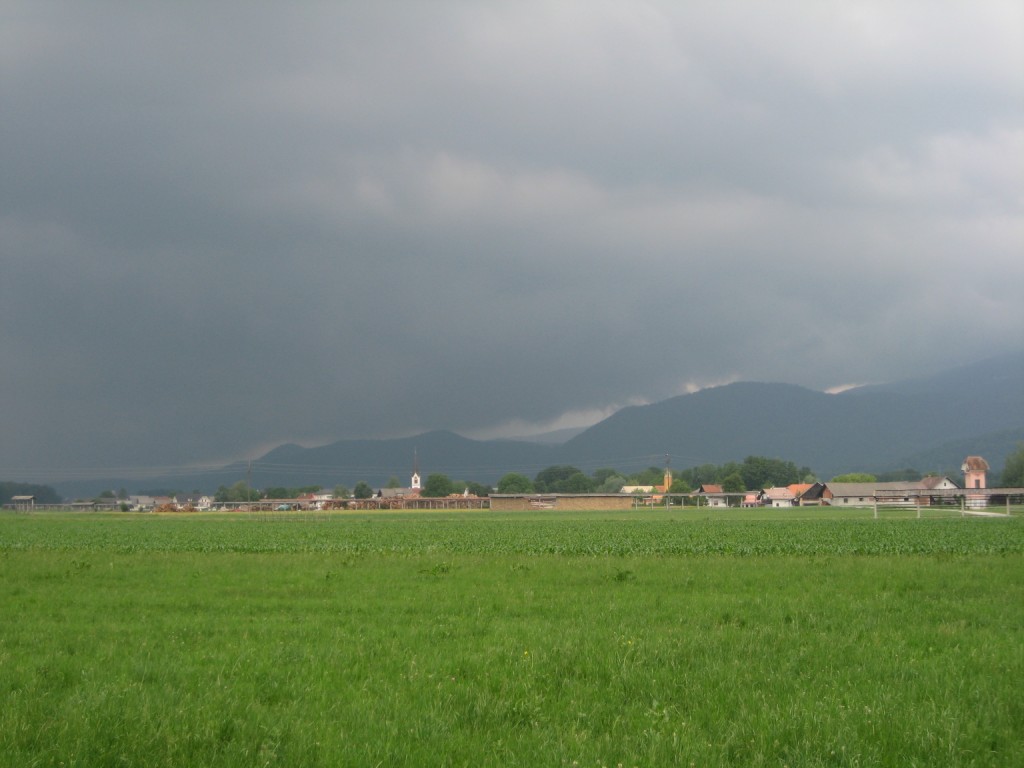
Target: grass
466,639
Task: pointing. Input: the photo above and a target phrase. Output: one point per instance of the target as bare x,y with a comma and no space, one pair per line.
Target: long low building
563,501
898,492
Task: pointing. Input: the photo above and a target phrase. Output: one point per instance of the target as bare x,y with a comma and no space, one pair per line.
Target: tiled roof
975,463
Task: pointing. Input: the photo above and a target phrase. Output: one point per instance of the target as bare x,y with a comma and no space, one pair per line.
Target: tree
733,483
612,484
762,472
1013,470
240,491
649,476
478,489
363,490
680,485
341,492
898,474
854,477
601,475
438,485
703,475
548,480
393,482
513,482
577,483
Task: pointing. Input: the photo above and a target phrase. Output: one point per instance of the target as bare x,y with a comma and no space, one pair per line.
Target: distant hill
375,461
946,458
925,423
863,429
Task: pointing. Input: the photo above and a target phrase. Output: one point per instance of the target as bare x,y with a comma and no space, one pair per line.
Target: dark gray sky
229,225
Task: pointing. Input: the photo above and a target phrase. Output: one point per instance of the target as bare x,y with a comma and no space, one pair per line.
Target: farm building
561,501
896,492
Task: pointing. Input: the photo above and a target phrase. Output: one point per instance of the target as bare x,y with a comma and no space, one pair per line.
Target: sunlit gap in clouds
522,428
839,388
692,386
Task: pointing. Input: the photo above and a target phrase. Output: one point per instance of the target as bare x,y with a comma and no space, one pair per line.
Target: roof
708,488
975,464
394,493
637,489
554,495
782,494
853,489
871,489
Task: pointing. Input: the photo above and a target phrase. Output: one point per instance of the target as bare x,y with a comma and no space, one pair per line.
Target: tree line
753,473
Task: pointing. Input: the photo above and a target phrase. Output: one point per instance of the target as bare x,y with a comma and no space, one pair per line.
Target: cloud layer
226,227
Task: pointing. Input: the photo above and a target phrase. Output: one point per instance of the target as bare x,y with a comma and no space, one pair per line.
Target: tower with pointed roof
414,483
974,469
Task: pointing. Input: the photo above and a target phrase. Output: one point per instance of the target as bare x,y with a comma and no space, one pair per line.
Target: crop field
651,638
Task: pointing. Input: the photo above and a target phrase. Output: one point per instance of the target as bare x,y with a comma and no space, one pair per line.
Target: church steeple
415,483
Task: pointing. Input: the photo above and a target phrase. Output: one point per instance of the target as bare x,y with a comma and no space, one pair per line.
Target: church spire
415,483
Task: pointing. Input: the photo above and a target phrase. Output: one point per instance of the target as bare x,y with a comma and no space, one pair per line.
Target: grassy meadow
654,638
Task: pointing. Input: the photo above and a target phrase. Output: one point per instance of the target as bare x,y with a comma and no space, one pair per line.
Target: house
807,494
938,483
777,497
655,492
714,495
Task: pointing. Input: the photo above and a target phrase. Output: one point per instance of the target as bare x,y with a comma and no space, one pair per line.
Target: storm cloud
225,226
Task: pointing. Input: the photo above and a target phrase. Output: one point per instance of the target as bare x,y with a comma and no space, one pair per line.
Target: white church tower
415,482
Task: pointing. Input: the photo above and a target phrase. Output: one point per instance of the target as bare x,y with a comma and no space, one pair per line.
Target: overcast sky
225,225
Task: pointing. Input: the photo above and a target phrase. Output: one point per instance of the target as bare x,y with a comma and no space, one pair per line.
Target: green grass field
648,638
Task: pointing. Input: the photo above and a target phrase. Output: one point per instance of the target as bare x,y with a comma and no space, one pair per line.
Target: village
972,493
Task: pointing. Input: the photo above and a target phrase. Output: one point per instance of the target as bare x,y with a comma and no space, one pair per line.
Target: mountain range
929,424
